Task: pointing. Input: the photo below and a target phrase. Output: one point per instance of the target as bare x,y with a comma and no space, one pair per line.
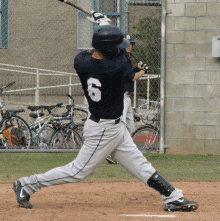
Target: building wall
42,34
192,106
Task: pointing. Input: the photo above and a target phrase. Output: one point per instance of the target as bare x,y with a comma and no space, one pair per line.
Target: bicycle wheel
147,138
43,139
79,129
79,115
15,133
66,138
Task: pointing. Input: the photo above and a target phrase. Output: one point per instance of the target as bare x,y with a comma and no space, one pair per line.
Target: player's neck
97,55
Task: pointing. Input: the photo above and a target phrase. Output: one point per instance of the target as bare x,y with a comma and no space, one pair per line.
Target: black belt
96,119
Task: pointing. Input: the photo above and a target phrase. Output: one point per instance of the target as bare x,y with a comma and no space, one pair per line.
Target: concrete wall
192,106
42,34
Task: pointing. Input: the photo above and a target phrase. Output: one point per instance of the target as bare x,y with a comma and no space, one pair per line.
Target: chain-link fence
139,18
142,19
4,23
145,26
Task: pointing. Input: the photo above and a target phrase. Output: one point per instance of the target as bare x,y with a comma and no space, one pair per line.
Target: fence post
4,24
37,88
148,93
162,76
124,10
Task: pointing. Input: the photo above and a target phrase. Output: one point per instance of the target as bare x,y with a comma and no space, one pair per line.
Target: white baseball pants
101,139
128,115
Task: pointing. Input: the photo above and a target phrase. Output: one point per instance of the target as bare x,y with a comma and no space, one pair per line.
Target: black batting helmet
108,39
130,38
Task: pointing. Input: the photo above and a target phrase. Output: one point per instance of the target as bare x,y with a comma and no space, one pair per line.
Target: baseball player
102,77
128,115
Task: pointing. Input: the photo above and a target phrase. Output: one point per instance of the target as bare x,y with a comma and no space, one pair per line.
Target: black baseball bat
134,57
69,2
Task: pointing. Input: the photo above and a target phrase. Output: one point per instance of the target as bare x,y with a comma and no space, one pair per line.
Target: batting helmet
130,38
108,39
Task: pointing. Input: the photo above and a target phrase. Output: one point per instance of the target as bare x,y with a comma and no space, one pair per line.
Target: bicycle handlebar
71,97
6,86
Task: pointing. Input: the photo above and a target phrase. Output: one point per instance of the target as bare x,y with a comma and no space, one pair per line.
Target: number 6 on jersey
94,92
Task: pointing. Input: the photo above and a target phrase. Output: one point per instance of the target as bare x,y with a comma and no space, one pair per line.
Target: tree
147,35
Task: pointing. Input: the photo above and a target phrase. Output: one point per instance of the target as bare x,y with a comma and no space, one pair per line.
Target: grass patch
173,167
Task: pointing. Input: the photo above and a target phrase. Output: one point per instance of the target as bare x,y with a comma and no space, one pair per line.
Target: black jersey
128,78
103,83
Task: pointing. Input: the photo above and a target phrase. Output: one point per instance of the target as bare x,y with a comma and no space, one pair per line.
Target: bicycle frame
38,123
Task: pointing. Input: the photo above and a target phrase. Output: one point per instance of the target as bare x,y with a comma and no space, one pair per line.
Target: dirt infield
108,201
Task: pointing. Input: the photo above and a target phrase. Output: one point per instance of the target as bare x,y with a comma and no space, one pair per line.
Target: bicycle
69,135
49,129
42,126
147,137
77,114
14,130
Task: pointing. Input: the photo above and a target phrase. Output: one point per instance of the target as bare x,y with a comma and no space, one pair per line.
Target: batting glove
143,66
140,63
98,18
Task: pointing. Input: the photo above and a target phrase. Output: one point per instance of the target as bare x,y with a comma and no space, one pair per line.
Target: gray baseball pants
101,139
128,115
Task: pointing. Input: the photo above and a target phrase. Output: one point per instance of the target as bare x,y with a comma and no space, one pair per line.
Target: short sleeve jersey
103,83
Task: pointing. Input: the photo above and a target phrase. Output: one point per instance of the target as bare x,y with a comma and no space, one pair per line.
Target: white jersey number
94,92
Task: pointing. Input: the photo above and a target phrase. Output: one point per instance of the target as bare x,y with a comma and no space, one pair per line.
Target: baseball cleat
22,196
110,160
182,204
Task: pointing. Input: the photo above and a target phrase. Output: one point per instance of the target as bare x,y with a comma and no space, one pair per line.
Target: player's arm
142,69
138,74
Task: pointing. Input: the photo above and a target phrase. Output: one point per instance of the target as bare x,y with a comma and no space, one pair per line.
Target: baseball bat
69,2
134,57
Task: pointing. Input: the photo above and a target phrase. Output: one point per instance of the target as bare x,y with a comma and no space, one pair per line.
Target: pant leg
100,140
130,119
132,159
128,116
129,156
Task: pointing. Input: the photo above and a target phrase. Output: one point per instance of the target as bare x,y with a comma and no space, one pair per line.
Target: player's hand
140,63
143,66
98,18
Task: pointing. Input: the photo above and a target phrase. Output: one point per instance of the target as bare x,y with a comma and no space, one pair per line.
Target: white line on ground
147,215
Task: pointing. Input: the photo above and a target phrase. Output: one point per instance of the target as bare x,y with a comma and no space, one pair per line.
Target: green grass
173,167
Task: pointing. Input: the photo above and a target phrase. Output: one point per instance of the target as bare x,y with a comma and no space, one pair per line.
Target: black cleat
22,196
182,204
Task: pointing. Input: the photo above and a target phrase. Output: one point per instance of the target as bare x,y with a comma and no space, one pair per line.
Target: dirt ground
110,201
